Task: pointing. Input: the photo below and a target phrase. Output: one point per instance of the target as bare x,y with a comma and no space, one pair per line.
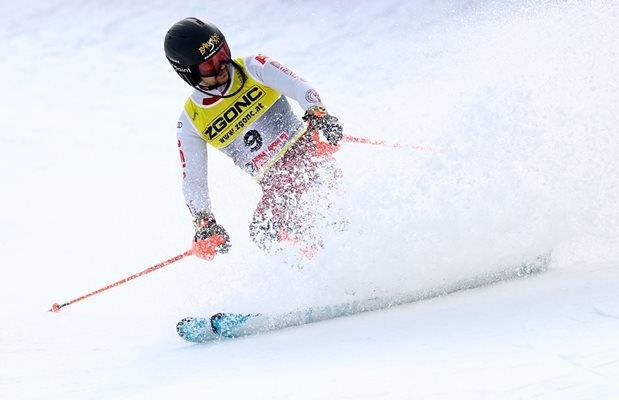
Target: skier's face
217,80
211,67
214,71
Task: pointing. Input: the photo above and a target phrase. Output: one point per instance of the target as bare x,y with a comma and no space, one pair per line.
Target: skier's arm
194,159
273,74
210,237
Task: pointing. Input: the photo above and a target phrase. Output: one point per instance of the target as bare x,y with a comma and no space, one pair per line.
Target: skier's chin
222,79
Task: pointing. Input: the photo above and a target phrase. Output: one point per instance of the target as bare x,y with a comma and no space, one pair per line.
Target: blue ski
231,325
216,327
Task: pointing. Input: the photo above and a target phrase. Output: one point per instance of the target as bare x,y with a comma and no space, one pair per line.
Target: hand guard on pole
328,125
210,237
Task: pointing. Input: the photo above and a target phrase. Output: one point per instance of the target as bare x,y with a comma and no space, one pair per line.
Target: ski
222,326
216,327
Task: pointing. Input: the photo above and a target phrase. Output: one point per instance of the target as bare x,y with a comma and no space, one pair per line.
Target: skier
240,107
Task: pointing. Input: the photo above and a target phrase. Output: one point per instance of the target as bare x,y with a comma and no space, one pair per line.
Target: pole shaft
127,279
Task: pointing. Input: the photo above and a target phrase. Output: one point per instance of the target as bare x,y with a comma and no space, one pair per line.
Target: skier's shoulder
261,60
256,63
255,60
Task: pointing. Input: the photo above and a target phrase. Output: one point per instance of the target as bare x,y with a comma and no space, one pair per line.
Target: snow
518,102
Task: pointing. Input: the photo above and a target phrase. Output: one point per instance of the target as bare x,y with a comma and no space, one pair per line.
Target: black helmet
190,42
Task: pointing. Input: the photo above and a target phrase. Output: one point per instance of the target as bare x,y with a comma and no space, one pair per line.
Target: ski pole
356,139
56,307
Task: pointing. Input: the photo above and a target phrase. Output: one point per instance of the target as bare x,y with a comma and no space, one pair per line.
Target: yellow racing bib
223,121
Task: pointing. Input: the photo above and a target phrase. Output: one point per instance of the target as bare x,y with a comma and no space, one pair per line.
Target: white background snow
519,101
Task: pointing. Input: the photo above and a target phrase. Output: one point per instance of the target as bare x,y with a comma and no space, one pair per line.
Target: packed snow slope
507,116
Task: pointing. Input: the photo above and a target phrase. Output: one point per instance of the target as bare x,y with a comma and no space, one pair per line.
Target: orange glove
320,120
210,238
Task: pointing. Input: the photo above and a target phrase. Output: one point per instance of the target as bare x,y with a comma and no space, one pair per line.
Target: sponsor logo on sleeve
183,162
285,70
261,58
312,96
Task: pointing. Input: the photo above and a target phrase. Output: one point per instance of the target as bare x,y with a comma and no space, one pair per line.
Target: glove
320,120
210,237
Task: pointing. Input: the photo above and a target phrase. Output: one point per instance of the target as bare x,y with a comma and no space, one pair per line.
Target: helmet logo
181,69
213,41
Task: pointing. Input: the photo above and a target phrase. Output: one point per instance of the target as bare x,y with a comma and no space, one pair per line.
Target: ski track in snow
517,101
